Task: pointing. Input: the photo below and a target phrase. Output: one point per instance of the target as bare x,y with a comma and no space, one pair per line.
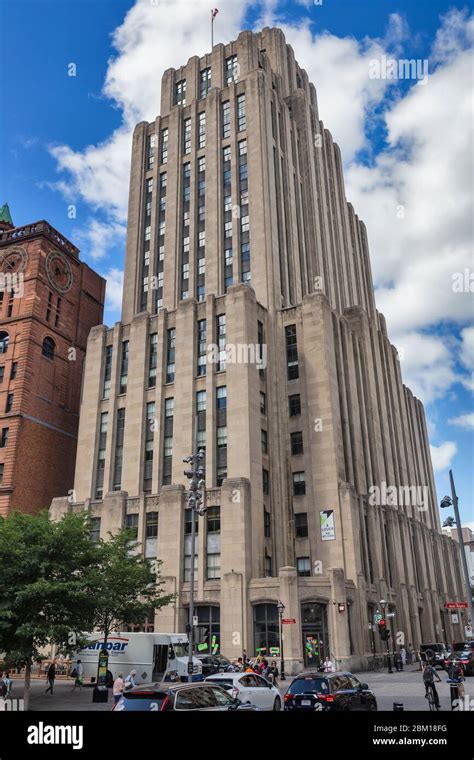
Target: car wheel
277,704
373,705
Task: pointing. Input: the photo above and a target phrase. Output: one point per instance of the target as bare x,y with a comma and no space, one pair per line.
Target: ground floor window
209,621
266,628
314,628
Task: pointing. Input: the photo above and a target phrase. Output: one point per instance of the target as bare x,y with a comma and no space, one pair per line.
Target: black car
213,663
463,655
158,697
435,652
331,691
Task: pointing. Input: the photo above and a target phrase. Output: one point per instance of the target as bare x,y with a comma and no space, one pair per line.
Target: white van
155,656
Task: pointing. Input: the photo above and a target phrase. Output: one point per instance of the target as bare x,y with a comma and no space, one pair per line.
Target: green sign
103,665
377,618
275,650
201,647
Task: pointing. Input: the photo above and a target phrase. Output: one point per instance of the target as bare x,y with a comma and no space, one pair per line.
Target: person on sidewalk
118,687
79,676
130,681
50,676
328,667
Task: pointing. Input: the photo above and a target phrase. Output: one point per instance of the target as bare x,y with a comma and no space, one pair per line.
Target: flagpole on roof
214,13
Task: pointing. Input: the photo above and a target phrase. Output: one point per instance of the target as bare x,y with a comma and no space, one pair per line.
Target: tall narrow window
151,535
14,370
221,433
301,524
131,524
226,119
231,69
107,372
202,130
296,443
202,346
187,136
9,404
2,373
204,82
213,543
299,484
168,441
119,436
151,145
152,360
164,146
180,93
124,367
150,423
291,352
221,342
4,438
99,481
241,114
94,529
201,420
4,339
48,348
170,355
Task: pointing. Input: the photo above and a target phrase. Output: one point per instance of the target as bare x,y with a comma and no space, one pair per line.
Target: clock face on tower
59,271
14,262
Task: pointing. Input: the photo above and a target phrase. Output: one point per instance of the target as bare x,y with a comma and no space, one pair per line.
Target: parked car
249,687
436,651
463,653
213,663
331,691
160,697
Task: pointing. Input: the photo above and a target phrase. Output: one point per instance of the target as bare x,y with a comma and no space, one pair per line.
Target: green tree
44,586
125,585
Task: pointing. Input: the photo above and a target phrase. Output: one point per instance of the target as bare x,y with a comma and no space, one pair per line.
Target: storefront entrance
315,633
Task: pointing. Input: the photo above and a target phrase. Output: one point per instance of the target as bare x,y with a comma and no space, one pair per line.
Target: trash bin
398,707
100,694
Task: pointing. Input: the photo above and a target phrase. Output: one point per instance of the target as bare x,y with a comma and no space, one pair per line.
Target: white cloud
427,364
442,455
466,356
113,292
463,420
96,238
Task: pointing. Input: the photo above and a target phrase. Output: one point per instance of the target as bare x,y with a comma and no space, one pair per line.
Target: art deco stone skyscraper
240,236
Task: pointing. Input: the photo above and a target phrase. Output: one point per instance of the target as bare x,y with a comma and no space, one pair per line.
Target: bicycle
374,664
431,698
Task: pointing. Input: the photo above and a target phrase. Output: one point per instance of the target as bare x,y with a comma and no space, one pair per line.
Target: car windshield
434,647
181,650
223,681
303,685
463,646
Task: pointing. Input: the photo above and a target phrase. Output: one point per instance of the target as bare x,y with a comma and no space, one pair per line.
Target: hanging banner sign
326,520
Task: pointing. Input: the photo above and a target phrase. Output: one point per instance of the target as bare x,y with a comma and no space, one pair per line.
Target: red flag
214,12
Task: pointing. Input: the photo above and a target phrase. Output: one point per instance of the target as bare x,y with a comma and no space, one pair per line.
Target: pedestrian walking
130,681
118,687
403,655
328,666
9,683
273,673
50,677
3,686
78,673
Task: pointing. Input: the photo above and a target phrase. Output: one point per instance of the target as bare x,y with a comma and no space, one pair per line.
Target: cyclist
429,675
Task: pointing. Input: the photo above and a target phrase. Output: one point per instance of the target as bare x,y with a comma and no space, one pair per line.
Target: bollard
398,707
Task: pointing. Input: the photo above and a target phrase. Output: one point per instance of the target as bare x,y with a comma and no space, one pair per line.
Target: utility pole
195,500
453,501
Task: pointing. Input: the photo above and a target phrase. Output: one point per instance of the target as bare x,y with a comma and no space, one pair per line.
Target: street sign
326,521
377,618
275,651
454,618
456,606
288,621
195,621
390,614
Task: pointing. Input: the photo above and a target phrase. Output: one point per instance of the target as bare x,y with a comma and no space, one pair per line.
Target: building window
4,338
151,535
187,136
204,82
119,436
152,140
168,441
200,401
170,355
264,439
124,367
226,119
301,525
99,480
164,146
263,403
294,405
202,346
2,373
180,93
94,529
221,342
9,404
299,484
2,467
245,274
266,524
107,372
303,566
291,352
266,628
202,130
268,566
221,397
188,516
265,482
131,524
48,348
209,619
152,360
149,435
296,443
213,543
241,114
49,305
231,70
4,438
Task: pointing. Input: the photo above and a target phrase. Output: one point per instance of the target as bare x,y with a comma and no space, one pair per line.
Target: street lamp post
281,608
195,500
453,501
389,658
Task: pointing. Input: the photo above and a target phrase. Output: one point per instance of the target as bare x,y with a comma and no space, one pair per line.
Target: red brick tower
49,301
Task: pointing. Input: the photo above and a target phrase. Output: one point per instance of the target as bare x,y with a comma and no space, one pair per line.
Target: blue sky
65,140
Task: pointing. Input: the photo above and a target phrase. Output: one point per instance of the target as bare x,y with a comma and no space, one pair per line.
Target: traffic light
383,630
